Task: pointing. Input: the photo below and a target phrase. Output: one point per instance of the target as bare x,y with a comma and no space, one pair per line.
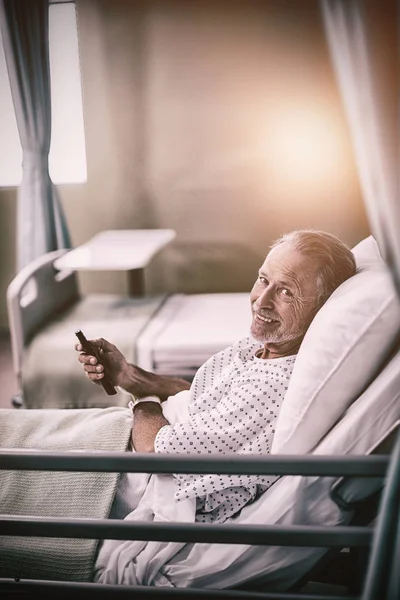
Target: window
67,159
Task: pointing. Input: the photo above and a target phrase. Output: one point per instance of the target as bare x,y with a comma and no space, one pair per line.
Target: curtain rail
312,465
255,535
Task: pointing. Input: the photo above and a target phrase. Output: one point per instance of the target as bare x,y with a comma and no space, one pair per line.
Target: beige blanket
57,494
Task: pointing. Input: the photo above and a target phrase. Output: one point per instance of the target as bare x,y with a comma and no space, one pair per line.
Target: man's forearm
142,383
147,422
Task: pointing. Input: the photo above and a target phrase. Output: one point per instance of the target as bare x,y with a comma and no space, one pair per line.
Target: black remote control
91,349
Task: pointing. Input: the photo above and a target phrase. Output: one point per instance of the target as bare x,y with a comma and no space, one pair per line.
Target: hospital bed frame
384,539
353,565
37,294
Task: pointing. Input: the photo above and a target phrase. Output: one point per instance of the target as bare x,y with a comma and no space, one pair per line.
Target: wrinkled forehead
284,261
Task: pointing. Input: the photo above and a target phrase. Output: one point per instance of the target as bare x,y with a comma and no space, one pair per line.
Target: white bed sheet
188,329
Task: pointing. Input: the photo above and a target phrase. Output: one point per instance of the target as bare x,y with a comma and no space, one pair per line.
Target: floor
8,381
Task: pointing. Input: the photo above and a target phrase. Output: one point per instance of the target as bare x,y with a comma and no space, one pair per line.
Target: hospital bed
326,431
45,309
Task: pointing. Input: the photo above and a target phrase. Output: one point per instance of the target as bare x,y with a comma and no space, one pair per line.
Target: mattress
188,329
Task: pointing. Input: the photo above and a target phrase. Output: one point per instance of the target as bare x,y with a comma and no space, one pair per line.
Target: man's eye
286,292
263,279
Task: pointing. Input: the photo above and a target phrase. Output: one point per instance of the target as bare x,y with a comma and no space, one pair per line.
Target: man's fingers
102,344
86,359
93,371
93,368
94,377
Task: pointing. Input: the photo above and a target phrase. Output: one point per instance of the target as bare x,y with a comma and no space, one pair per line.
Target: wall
219,119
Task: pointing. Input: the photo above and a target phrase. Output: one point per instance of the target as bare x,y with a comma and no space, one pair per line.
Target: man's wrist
135,381
147,399
141,383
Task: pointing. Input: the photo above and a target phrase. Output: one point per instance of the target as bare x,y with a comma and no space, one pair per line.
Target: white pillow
341,352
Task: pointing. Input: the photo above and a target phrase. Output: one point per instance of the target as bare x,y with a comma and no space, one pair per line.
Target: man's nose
266,299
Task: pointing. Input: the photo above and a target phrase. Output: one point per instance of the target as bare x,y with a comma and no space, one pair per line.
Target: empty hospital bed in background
188,329
172,335
44,310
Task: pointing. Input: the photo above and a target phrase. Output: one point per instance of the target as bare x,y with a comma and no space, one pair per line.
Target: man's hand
113,360
130,377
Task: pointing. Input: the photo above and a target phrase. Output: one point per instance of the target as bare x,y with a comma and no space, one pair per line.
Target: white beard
276,336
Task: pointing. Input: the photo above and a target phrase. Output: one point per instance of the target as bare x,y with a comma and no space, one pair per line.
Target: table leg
136,282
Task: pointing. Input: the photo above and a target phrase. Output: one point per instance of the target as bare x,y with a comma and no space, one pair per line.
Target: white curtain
41,224
362,54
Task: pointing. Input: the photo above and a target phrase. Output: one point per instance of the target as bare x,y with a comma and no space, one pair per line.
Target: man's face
284,299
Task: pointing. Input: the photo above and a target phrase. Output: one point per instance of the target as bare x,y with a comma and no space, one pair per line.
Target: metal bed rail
61,590
341,536
258,535
122,462
382,576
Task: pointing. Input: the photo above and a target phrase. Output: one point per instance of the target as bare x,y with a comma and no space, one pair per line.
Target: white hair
334,258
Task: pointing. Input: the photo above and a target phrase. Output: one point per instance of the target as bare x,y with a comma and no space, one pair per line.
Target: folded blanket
58,494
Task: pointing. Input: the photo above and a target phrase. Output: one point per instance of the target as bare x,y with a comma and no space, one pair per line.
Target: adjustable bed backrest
37,293
361,497
353,492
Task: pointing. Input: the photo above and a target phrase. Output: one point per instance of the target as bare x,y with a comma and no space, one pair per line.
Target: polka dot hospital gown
233,408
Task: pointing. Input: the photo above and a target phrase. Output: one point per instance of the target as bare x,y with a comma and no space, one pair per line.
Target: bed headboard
35,295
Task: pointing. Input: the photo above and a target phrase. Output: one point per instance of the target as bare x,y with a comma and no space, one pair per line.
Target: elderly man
236,395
